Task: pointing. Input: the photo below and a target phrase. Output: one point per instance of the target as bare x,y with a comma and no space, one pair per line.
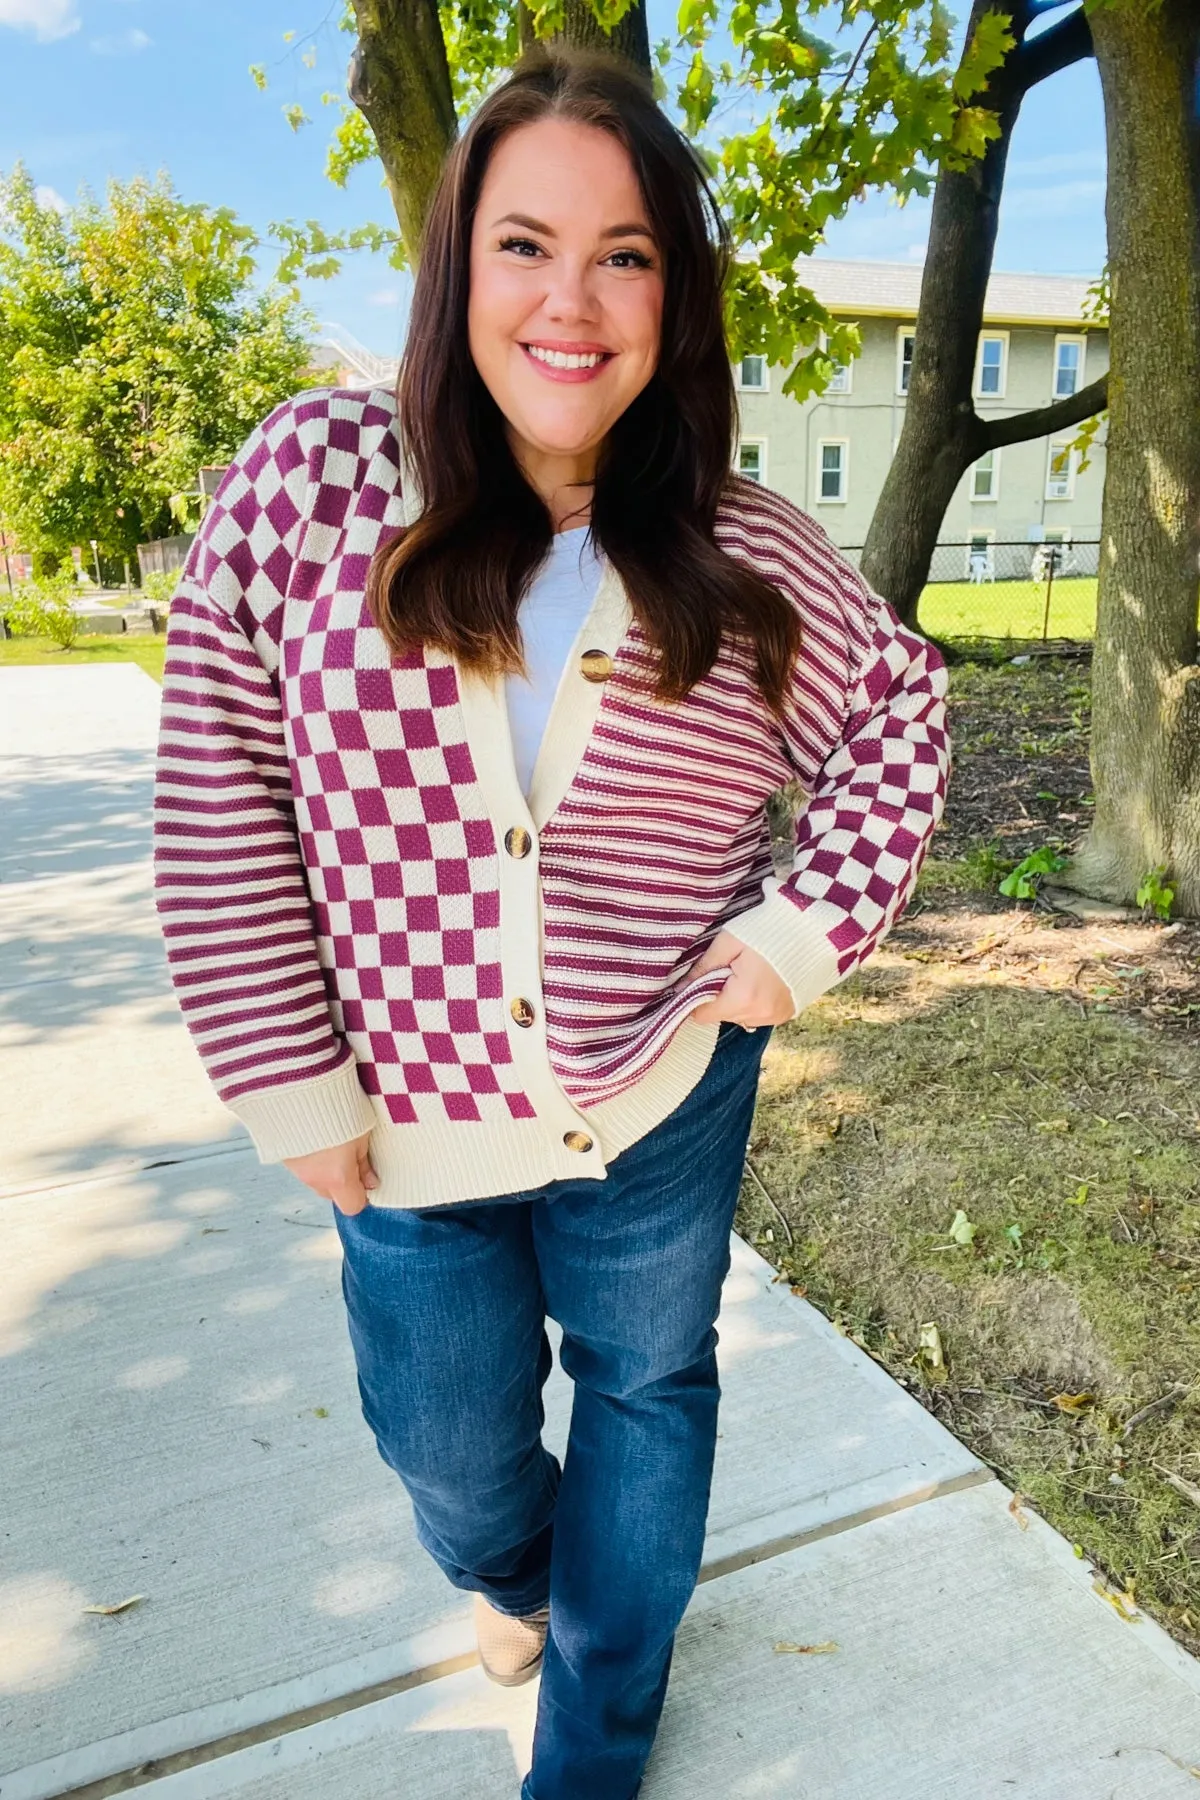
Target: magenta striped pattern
327,872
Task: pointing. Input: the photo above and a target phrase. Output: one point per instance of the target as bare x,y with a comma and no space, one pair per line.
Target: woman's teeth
560,359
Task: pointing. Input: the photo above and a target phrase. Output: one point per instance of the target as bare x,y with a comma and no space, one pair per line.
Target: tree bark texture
400,81
942,434
582,30
1146,684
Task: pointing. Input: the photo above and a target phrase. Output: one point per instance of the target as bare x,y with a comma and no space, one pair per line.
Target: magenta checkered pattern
326,867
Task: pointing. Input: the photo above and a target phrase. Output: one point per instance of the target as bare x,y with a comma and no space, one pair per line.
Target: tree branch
1066,43
995,433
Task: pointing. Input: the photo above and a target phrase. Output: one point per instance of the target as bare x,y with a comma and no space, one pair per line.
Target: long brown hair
457,576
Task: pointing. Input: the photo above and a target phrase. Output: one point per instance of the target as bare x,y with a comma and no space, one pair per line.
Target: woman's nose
571,292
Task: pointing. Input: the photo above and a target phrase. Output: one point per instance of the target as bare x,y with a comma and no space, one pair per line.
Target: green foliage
1026,878
1154,894
135,347
159,585
793,128
43,609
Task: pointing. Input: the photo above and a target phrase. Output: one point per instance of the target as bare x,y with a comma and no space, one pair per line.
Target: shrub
43,609
159,586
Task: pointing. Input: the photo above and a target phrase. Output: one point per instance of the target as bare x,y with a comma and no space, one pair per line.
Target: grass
1013,609
918,1090
147,652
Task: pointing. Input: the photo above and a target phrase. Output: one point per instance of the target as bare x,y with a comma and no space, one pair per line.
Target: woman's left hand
753,995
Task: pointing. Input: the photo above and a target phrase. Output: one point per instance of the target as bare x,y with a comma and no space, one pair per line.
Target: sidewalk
180,1420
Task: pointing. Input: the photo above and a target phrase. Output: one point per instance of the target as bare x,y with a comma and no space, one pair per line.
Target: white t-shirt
556,605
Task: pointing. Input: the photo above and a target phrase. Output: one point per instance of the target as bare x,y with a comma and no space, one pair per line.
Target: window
1068,367
1056,536
833,455
1060,470
990,366
839,381
752,374
752,459
904,355
985,477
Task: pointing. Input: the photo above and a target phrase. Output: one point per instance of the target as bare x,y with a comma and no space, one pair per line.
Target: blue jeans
447,1309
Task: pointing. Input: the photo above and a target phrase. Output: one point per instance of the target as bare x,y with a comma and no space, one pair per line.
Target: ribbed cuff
795,941
304,1116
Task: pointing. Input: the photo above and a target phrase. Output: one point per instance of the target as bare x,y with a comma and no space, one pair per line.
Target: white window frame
991,337
1058,534
978,499
1068,337
902,332
760,444
988,535
1072,464
843,444
746,387
845,370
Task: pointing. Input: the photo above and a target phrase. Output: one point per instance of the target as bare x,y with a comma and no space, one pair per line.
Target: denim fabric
446,1308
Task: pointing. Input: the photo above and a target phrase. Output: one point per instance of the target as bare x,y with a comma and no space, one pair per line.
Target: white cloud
916,252
47,19
120,43
48,196
384,297
1067,200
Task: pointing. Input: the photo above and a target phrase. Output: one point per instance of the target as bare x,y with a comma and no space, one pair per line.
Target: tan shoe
510,1649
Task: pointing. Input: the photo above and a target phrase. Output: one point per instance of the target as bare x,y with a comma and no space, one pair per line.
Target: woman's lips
553,374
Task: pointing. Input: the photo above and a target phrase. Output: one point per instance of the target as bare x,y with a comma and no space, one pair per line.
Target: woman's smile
567,361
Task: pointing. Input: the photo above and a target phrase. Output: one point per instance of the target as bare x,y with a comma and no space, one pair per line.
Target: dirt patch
994,1128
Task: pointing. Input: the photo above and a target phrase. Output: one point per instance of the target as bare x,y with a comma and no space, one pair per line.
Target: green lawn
997,609
146,652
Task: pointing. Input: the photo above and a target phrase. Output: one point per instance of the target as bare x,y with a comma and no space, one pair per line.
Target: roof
893,289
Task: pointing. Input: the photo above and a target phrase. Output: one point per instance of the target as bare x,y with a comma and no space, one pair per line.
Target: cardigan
369,927
550,615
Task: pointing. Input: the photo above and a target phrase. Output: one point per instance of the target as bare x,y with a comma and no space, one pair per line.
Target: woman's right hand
342,1174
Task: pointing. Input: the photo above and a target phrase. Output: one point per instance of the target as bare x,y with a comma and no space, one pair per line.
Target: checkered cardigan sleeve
872,809
229,882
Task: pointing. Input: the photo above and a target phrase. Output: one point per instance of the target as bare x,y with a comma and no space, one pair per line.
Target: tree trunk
942,433
1146,685
583,30
400,81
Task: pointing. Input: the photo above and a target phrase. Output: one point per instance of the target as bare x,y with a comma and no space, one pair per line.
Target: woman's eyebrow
631,230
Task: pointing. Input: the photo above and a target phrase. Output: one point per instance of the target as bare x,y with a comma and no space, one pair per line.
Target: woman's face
565,308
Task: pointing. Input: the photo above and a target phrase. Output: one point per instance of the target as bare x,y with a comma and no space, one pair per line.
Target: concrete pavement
180,1421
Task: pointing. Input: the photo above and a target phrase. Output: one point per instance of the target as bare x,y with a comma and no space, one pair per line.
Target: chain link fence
982,587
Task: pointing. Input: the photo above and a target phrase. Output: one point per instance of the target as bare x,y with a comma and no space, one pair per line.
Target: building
831,454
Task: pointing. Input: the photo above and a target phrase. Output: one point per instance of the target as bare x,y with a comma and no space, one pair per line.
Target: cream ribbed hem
304,1116
438,1163
795,941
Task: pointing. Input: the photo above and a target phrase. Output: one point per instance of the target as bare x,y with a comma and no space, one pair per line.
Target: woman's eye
520,244
638,261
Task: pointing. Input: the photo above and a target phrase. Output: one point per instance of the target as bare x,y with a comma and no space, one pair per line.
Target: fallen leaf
1014,1507
930,1354
1123,1604
1053,1125
1079,1197
119,1607
1072,1403
805,1649
321,1412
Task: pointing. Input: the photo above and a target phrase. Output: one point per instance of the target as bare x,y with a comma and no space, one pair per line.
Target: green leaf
961,1230
258,76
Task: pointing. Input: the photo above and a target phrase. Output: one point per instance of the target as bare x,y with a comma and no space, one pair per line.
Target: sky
99,88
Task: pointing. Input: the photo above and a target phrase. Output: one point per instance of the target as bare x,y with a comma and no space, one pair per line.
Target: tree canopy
135,347
793,124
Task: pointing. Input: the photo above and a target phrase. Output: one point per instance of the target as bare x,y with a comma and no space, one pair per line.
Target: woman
464,867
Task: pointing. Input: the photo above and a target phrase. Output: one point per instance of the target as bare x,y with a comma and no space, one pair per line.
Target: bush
159,586
43,609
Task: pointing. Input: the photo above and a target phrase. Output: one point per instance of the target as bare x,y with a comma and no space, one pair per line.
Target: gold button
522,1012
595,665
518,841
577,1140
